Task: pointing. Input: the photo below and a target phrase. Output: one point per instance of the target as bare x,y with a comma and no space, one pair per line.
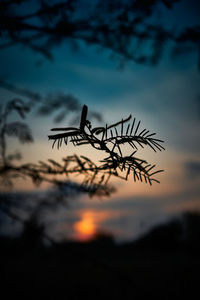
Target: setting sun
89,224
85,228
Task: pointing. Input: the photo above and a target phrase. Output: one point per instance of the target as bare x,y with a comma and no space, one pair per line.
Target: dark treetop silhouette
128,29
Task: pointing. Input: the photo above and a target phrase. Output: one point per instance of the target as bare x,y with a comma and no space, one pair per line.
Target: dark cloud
193,169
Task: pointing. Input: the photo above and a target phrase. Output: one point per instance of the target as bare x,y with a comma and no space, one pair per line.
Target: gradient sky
166,98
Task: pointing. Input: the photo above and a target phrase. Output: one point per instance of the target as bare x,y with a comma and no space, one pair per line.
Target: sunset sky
166,98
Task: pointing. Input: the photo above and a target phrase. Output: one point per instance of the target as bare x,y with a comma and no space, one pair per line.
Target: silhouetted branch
104,139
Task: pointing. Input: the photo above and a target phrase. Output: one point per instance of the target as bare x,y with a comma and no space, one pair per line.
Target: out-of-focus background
158,83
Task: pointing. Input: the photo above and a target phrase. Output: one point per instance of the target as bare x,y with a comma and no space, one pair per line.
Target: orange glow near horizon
85,228
88,225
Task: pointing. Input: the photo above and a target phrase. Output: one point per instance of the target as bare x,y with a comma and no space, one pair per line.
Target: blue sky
165,98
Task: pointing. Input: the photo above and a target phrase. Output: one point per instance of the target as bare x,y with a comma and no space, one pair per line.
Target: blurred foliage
128,29
57,105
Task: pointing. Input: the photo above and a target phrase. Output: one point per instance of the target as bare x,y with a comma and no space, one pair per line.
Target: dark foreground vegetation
163,264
